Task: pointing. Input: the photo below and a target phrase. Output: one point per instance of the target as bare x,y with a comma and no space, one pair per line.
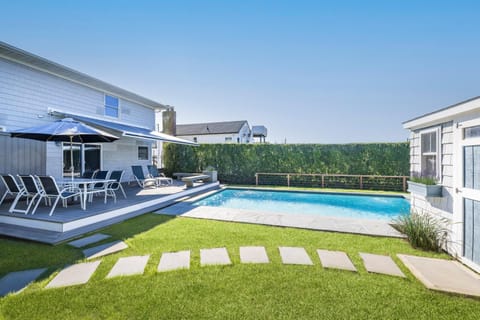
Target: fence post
404,184
288,180
323,181
256,179
361,182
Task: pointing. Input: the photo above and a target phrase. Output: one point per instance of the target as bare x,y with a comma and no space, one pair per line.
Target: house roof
442,114
29,59
210,128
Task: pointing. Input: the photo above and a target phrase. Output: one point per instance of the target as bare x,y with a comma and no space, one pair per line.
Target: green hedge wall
238,163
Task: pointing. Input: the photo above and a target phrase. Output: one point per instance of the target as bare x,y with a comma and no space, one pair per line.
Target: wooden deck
71,222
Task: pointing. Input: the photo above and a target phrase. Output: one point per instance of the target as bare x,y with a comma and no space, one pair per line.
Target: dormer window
111,106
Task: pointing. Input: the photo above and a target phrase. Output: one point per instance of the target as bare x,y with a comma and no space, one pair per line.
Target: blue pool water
325,204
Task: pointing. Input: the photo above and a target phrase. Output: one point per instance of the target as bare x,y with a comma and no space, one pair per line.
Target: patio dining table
83,184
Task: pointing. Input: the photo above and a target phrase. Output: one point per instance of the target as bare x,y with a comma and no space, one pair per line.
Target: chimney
169,122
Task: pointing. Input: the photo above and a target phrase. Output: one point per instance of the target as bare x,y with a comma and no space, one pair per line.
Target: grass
272,291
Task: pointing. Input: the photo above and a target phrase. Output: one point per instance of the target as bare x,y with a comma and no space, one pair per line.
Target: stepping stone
17,281
253,255
129,266
88,240
215,256
443,275
295,255
76,274
381,264
174,260
104,249
335,260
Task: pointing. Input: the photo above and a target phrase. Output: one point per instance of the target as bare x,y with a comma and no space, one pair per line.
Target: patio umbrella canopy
66,130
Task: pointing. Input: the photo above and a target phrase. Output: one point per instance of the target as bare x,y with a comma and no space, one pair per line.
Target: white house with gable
35,91
445,145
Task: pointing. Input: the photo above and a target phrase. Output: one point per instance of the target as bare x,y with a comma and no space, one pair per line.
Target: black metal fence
344,181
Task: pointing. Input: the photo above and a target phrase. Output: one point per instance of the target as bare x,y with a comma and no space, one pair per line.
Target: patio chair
90,174
99,187
29,189
143,181
159,177
114,186
50,190
11,186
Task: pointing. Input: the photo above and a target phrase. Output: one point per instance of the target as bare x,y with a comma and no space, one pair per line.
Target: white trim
443,115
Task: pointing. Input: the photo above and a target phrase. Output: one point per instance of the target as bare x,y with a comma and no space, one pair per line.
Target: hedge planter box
212,174
424,189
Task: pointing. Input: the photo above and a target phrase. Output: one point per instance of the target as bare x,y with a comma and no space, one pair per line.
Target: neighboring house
216,132
445,144
35,91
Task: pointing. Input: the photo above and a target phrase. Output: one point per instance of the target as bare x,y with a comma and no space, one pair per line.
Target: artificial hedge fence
238,163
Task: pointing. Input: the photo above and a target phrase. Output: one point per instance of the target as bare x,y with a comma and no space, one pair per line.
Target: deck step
83,242
15,282
104,249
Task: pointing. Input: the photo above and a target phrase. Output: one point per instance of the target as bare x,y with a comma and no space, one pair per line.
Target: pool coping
371,227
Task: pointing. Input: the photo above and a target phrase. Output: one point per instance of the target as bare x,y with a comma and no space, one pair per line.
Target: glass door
86,158
470,190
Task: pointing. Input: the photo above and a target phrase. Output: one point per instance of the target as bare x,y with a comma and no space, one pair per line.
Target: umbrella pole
71,157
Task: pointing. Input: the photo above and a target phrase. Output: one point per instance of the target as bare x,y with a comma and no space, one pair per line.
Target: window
111,106
472,132
142,153
471,175
429,148
195,139
228,139
86,158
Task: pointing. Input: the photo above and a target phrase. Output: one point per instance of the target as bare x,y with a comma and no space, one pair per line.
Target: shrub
423,231
424,180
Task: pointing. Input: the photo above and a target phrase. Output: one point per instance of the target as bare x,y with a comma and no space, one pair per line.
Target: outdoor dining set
36,188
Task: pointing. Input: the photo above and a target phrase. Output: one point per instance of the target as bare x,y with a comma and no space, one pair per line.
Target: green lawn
272,291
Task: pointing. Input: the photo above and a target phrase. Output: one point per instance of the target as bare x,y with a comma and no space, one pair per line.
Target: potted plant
210,171
424,186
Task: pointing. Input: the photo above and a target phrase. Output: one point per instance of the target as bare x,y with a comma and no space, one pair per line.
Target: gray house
445,145
34,91
216,132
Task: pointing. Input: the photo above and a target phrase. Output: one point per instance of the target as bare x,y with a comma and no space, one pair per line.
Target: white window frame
437,154
105,105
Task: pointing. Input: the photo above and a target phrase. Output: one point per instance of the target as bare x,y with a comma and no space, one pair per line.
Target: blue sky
311,71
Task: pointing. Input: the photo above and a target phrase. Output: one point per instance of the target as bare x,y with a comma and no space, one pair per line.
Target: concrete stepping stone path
15,282
253,255
215,256
88,240
129,266
73,275
381,264
335,260
104,249
295,255
443,275
174,260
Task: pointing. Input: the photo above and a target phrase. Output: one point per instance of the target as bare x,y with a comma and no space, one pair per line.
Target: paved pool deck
303,221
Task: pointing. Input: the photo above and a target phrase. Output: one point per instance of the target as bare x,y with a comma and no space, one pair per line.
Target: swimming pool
310,203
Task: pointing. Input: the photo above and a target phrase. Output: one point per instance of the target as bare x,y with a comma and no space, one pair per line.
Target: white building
216,132
35,91
445,144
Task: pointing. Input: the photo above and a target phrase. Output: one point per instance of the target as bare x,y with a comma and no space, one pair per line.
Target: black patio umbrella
66,130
